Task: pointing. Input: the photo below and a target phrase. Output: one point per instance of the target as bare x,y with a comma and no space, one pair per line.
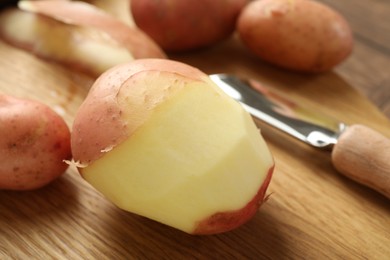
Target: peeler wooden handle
363,155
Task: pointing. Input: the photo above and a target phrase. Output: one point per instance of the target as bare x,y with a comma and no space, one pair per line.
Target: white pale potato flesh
76,34
81,47
196,162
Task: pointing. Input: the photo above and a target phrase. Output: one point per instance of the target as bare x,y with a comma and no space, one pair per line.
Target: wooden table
313,212
368,69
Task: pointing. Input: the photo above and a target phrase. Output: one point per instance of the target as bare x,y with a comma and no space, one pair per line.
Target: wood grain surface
313,211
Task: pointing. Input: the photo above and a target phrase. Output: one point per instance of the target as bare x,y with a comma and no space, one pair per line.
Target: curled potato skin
300,35
34,142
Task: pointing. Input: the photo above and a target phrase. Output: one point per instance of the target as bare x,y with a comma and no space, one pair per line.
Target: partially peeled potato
158,138
76,34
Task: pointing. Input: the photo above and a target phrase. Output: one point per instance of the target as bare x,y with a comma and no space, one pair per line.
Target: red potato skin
178,25
102,109
34,143
34,46
226,221
83,14
60,31
300,35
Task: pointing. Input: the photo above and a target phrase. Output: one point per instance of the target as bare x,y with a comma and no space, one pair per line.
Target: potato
86,15
178,25
117,8
300,35
34,142
84,49
137,139
75,34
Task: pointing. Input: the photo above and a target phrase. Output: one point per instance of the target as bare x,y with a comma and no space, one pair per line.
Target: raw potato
81,48
301,35
83,14
117,8
178,25
76,34
158,138
34,142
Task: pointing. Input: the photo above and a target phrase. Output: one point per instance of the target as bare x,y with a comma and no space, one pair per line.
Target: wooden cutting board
313,212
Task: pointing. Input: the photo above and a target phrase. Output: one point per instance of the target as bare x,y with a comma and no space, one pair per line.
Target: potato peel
74,163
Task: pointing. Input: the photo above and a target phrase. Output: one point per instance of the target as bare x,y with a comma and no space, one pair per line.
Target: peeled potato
76,34
116,8
300,35
135,139
34,142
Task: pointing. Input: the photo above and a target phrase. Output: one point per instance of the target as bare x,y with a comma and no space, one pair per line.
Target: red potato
81,48
178,25
301,35
75,34
83,14
135,140
34,143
